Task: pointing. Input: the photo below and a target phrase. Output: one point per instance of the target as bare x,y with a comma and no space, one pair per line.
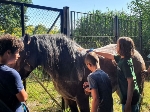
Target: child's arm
106,55
129,94
95,100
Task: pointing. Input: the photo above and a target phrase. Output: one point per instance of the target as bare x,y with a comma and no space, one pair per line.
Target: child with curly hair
12,91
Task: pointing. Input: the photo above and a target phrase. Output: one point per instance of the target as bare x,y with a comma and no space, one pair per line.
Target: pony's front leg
83,103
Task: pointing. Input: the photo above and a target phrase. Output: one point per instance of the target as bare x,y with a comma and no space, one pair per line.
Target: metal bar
22,19
62,21
81,23
23,33
124,25
46,91
116,27
90,32
31,5
54,23
120,28
85,26
112,25
96,36
131,24
74,21
65,27
105,25
140,35
78,22
127,30
71,19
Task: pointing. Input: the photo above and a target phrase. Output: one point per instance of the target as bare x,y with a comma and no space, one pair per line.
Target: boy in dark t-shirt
99,85
12,92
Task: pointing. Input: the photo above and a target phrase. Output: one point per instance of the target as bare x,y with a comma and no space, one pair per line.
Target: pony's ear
27,39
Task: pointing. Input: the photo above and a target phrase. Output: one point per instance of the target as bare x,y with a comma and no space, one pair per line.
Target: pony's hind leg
72,105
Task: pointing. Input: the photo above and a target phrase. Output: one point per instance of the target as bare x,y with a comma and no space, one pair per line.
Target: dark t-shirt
99,80
10,85
125,70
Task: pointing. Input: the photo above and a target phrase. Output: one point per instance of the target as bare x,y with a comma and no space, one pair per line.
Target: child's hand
80,49
85,85
86,88
148,70
144,73
90,50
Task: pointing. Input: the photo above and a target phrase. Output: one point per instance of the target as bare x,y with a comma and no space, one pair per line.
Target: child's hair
9,42
126,46
91,58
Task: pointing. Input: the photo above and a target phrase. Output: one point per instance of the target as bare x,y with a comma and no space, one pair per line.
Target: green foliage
98,27
141,8
10,16
94,24
31,30
40,29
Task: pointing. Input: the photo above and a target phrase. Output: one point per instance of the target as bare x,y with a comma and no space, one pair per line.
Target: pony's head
25,64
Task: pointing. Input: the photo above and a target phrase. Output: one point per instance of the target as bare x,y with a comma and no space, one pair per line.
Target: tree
98,28
31,30
141,8
10,16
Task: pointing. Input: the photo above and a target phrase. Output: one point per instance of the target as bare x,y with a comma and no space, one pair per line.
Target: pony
61,59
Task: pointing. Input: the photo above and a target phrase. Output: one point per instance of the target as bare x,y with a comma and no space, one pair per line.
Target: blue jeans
135,108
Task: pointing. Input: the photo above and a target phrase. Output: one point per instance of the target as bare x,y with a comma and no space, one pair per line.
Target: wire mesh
40,21
42,95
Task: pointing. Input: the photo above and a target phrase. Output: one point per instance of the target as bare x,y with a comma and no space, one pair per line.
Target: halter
27,54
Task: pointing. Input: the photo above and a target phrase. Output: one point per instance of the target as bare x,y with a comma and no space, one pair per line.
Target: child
12,92
126,76
99,85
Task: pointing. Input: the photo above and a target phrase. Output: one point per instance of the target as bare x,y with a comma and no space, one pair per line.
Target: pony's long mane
59,53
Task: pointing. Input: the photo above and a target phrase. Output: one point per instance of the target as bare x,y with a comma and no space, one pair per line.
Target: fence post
22,19
140,36
116,28
23,32
65,29
65,23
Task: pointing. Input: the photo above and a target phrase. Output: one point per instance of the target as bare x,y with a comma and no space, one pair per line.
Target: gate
35,19
97,29
92,30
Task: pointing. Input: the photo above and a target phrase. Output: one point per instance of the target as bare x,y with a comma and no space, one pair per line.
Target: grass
145,103
40,101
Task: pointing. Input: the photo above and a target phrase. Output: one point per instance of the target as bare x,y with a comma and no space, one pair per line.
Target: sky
37,17
85,5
